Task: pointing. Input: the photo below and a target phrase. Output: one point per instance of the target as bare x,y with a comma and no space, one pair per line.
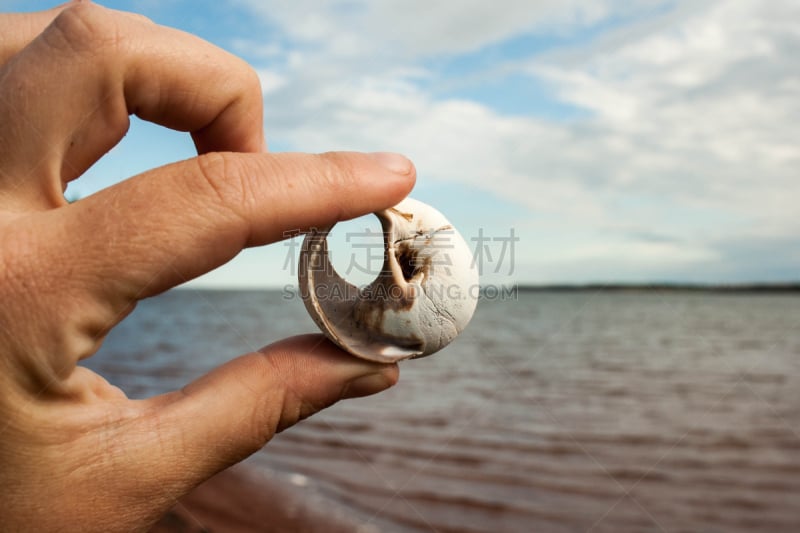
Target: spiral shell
424,296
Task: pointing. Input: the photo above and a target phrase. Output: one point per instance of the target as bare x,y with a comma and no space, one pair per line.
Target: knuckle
224,179
262,418
242,73
75,26
336,173
82,27
252,82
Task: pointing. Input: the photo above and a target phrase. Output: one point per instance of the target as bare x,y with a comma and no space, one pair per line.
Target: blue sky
620,141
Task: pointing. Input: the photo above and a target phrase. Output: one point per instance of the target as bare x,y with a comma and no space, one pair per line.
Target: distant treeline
658,287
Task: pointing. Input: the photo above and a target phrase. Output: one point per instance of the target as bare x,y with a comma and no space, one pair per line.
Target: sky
570,141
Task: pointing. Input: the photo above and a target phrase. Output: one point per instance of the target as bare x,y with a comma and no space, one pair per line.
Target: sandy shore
239,500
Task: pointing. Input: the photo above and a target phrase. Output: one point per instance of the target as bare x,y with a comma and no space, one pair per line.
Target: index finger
65,99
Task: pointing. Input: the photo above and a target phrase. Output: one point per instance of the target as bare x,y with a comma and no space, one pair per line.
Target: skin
75,453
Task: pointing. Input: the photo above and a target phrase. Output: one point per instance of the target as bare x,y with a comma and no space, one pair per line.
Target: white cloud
270,81
415,28
692,132
708,108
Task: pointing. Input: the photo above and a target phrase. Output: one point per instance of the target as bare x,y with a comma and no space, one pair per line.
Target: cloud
703,112
412,29
690,131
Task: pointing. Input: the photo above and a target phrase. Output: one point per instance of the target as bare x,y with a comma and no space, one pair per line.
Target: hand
75,453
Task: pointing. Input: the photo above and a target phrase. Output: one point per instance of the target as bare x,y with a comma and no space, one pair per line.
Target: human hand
75,453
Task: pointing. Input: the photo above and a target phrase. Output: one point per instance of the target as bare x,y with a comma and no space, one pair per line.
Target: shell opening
408,259
356,249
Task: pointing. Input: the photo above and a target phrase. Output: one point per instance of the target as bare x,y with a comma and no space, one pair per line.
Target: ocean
554,411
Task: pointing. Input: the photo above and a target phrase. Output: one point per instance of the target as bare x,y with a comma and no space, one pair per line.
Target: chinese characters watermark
482,253
491,253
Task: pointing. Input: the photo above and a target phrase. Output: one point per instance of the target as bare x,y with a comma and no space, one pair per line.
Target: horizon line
750,286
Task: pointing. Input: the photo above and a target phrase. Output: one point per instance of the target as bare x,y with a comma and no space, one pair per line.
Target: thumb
234,410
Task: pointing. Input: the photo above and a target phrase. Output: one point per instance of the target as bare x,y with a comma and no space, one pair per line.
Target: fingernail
395,162
366,385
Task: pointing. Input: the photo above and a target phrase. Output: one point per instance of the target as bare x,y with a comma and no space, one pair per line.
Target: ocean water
562,411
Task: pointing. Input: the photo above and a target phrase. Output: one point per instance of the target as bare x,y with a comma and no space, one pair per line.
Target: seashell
422,299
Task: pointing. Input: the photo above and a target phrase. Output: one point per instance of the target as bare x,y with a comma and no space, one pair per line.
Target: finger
167,226
70,92
170,225
232,412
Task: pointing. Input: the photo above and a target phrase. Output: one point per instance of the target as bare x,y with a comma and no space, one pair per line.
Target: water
576,411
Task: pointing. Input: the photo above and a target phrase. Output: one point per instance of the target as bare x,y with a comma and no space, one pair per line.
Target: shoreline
733,288
244,500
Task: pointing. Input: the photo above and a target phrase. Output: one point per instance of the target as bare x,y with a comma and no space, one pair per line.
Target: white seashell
423,298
